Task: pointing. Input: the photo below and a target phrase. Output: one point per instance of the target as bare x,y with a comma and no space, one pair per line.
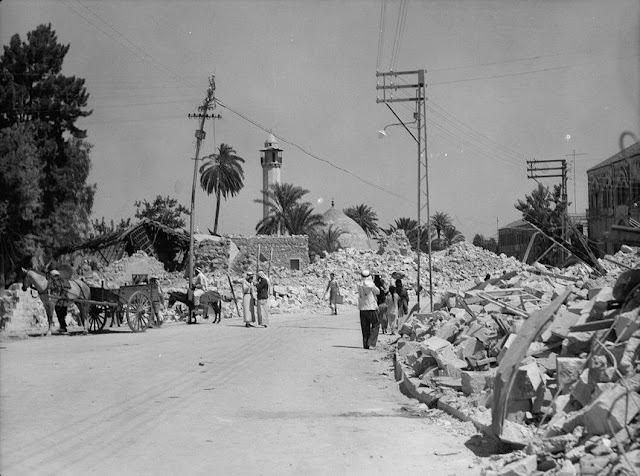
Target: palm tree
452,235
281,199
222,173
404,223
440,222
301,220
326,240
364,216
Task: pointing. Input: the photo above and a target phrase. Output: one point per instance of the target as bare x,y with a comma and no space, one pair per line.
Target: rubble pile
574,403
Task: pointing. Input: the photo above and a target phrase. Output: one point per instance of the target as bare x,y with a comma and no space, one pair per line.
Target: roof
632,151
353,237
517,224
271,142
181,236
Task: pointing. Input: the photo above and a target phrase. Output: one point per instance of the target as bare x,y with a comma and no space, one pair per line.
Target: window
294,264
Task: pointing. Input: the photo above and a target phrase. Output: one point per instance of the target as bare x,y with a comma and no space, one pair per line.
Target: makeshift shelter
169,246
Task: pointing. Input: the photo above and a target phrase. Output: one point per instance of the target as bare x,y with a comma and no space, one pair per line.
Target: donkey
78,290
210,299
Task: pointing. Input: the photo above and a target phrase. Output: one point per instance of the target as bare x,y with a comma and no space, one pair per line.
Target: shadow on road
347,346
484,446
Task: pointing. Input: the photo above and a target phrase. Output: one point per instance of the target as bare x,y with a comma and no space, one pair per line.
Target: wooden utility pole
200,135
575,200
387,87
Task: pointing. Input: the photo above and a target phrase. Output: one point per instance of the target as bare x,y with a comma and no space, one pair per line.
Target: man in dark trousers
262,288
368,305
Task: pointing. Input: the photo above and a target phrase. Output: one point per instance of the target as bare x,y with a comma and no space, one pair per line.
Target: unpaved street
300,397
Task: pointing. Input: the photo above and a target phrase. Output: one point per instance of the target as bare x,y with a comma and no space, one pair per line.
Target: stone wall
286,249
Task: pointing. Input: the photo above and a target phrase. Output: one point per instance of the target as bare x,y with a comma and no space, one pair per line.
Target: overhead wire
383,8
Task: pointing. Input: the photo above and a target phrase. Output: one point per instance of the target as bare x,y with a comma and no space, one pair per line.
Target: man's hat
365,273
54,272
249,274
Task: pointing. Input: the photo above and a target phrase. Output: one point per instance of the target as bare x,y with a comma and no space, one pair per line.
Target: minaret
271,161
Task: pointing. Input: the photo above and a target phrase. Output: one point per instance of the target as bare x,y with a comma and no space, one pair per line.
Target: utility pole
575,200
535,172
200,135
387,87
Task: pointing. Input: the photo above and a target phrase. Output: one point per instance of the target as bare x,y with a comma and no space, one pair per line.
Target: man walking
368,305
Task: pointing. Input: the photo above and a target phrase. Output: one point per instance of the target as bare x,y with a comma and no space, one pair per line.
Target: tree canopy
222,173
281,200
364,216
45,200
165,210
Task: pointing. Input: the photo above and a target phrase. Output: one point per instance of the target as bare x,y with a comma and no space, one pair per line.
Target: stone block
577,343
612,410
630,354
480,332
602,294
419,362
448,332
582,390
434,345
528,382
406,347
561,323
475,382
568,371
470,347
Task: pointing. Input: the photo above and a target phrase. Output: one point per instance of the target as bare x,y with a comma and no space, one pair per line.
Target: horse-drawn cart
134,302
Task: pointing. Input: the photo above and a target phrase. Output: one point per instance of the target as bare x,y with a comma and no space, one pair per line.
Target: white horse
78,290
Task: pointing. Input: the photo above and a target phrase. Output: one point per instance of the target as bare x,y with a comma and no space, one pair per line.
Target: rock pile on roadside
574,403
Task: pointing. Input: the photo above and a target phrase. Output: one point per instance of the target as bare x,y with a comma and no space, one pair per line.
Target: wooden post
233,293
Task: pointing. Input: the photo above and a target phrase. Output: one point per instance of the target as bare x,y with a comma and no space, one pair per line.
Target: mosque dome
353,237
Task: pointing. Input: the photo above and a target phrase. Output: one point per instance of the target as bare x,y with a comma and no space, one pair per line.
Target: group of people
255,300
381,307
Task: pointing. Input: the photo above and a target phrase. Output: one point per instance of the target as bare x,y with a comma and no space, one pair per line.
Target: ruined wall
286,249
212,255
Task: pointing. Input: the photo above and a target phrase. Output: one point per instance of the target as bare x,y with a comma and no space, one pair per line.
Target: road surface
299,397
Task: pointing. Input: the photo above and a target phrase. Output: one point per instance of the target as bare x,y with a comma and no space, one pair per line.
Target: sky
507,82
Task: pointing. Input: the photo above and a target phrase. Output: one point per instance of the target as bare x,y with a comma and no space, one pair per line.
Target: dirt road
300,397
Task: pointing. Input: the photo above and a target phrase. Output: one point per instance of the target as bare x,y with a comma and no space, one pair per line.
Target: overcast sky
507,81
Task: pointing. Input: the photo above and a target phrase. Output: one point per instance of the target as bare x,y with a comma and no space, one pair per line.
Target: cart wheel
139,311
98,317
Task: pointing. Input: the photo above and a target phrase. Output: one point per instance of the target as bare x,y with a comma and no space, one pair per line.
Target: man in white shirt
368,305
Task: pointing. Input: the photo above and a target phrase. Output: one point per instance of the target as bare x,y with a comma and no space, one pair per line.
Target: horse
208,299
78,289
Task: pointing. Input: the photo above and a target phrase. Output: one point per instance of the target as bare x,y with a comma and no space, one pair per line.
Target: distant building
614,199
514,238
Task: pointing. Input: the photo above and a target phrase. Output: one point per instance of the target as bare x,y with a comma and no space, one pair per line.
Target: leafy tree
301,220
364,216
410,228
478,240
50,164
452,235
101,227
488,244
440,222
222,173
165,210
281,200
544,208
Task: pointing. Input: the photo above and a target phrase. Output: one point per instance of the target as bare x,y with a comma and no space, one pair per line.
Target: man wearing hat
368,305
200,286
262,288
248,299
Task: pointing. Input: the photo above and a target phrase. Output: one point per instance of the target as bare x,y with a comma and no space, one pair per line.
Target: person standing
368,306
262,288
392,309
334,290
248,300
381,299
200,286
403,302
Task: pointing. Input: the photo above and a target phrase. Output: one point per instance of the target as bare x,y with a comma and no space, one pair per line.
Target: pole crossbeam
421,140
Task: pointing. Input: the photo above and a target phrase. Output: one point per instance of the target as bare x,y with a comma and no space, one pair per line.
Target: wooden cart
135,302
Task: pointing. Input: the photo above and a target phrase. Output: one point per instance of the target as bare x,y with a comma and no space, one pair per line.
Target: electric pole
575,200
388,86
200,135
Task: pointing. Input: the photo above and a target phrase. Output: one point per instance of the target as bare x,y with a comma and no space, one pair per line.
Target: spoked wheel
139,311
98,316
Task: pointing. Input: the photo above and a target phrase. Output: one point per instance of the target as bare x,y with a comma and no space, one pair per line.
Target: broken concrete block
611,411
559,328
480,332
568,371
448,332
470,347
577,343
602,294
476,382
567,469
582,390
406,346
527,383
419,362
433,345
